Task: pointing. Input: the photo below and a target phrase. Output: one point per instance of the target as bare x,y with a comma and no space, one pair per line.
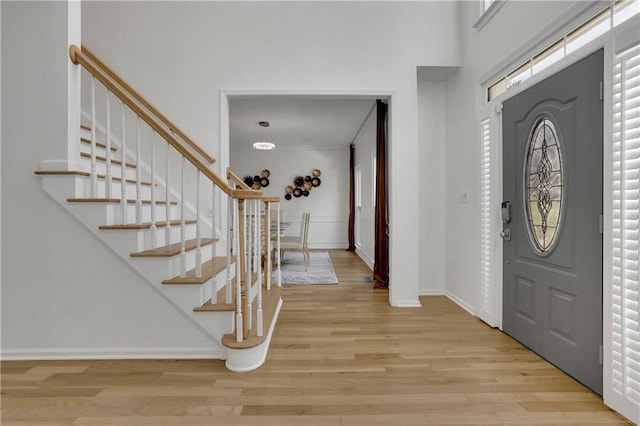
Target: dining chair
298,242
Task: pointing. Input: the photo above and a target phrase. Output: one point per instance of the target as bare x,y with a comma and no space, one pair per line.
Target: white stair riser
116,170
130,191
187,296
162,268
118,216
98,214
129,240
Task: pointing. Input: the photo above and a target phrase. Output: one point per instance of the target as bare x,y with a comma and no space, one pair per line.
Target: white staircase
159,229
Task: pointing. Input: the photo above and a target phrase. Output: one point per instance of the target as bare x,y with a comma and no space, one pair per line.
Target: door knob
506,234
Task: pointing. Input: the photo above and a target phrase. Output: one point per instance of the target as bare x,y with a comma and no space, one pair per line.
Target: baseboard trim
364,258
53,354
328,245
464,305
431,292
408,304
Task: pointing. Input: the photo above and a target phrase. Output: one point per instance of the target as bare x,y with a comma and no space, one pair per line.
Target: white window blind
625,356
486,312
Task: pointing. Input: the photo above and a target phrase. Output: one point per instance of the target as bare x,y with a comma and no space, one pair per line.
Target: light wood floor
340,356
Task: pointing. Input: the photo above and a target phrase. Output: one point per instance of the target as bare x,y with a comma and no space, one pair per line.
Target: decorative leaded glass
543,184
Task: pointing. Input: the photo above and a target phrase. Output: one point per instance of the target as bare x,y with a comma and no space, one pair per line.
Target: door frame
624,36
396,260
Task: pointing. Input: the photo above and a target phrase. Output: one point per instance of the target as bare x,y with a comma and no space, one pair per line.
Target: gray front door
552,152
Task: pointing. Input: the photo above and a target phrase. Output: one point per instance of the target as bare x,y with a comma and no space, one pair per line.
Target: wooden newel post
242,255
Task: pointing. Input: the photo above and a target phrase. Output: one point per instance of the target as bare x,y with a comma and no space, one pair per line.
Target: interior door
552,287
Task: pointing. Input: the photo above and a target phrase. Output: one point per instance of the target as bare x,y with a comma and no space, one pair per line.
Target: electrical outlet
210,211
464,196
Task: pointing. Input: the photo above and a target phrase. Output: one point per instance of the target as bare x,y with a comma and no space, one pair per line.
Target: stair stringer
213,324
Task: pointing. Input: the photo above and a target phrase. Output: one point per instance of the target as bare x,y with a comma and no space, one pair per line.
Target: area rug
320,269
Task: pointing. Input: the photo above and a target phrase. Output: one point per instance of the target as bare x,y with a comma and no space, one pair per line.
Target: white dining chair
298,242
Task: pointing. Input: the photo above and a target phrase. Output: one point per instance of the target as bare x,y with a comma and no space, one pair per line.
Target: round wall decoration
302,185
257,181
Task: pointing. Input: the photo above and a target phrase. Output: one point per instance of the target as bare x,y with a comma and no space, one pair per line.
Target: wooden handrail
271,199
234,177
77,57
84,51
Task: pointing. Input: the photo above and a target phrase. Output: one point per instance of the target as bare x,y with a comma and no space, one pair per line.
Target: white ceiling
296,122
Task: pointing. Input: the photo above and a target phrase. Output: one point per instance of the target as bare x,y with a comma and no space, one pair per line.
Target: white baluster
249,262
230,249
214,281
109,173
183,252
153,229
278,251
267,242
198,239
93,191
258,251
138,176
167,229
256,213
239,320
256,220
214,234
123,168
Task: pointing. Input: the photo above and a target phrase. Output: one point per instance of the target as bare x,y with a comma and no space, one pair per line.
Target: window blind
486,311
625,356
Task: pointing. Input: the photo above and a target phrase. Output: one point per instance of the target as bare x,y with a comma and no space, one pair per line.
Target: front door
552,152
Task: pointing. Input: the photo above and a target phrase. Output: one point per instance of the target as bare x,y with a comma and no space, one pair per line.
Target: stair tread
62,173
270,301
98,144
146,225
85,127
86,174
113,200
172,249
101,158
209,269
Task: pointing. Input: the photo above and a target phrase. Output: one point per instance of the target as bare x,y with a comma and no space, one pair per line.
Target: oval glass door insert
544,184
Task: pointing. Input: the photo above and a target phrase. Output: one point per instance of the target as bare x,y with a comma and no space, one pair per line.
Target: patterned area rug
320,269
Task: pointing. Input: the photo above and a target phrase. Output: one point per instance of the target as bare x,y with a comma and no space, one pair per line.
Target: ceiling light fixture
264,146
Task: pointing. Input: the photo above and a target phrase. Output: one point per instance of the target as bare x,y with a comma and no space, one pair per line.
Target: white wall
181,55
327,203
365,229
433,218
63,292
514,24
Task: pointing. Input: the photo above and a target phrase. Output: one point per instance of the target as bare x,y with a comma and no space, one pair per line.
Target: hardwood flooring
340,356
